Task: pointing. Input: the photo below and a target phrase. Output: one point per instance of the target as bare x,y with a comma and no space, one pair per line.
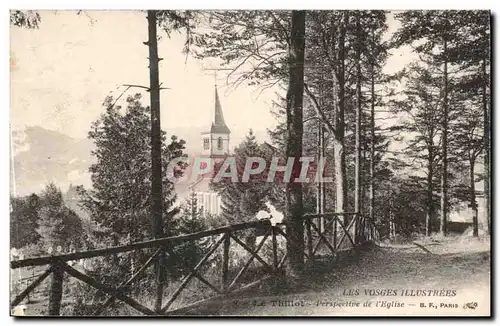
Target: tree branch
318,110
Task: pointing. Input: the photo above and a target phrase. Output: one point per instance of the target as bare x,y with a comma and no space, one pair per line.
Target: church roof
219,125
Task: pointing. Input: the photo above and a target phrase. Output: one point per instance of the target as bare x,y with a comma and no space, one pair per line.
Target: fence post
362,230
334,233
28,299
275,248
357,225
363,224
372,228
225,261
310,254
56,290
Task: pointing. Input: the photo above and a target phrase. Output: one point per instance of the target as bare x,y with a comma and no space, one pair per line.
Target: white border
176,4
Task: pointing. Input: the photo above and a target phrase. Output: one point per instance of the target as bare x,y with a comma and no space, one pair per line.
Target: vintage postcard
250,163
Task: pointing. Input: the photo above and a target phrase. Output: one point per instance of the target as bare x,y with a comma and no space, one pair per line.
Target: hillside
42,156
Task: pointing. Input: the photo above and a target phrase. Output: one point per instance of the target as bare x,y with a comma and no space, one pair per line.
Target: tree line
331,67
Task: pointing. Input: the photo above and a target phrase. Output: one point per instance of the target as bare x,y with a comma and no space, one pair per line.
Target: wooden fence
326,230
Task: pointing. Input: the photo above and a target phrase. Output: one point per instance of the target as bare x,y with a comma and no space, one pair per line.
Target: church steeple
219,125
215,142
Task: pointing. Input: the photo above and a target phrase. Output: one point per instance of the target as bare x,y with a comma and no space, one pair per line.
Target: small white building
210,201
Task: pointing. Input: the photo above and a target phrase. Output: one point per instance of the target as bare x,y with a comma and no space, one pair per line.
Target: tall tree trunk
472,192
295,231
486,127
320,189
430,205
357,180
339,152
392,224
156,182
444,176
372,145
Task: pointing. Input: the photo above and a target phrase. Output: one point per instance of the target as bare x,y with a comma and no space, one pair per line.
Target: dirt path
393,279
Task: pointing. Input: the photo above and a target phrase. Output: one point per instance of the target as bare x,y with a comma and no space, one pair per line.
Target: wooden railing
331,234
331,231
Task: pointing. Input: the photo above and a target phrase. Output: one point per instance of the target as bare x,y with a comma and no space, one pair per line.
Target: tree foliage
25,18
121,177
119,202
24,220
190,220
58,225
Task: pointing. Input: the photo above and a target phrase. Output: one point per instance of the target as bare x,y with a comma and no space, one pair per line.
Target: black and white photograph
250,163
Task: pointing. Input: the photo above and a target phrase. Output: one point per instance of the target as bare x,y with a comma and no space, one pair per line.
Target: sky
61,72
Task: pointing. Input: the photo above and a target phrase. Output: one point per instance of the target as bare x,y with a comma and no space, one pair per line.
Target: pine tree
121,177
422,94
437,33
24,221
376,52
467,142
119,202
472,55
58,225
241,201
456,44
189,220
329,36
259,55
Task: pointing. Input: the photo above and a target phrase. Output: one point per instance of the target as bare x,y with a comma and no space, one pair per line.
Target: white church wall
210,202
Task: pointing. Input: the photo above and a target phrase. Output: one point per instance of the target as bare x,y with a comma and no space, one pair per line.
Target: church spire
219,125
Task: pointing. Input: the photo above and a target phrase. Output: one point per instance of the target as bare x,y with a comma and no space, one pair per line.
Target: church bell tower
215,142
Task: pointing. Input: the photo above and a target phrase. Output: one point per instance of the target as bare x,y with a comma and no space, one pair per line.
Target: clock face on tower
215,142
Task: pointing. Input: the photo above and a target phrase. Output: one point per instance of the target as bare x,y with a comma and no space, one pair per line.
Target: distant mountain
42,156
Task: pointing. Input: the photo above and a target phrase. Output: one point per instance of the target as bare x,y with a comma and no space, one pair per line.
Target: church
214,144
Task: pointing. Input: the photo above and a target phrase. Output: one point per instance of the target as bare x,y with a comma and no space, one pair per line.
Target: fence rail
327,229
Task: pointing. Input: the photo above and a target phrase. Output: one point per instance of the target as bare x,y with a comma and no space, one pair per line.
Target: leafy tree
24,221
58,225
190,220
259,55
25,18
422,94
467,143
434,35
121,177
119,201
376,56
472,55
401,207
458,43
294,117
